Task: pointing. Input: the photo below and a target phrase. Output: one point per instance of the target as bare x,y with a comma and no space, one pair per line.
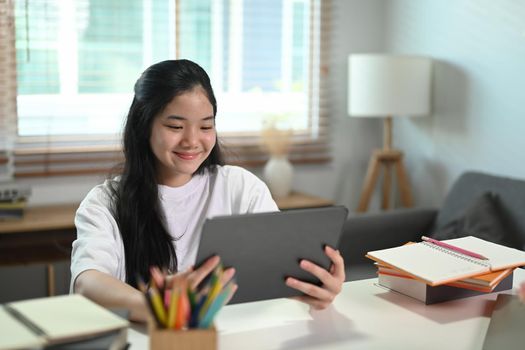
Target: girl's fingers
338,267
157,276
198,275
227,275
311,290
195,277
329,281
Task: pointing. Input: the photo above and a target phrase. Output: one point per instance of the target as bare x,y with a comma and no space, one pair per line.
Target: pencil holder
191,339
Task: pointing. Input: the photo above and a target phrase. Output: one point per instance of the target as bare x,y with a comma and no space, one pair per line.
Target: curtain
7,89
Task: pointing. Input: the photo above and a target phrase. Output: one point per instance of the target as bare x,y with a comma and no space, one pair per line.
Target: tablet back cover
265,248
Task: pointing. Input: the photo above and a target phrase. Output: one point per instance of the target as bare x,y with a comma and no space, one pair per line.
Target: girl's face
182,137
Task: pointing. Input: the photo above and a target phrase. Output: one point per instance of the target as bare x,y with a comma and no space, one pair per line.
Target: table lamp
383,85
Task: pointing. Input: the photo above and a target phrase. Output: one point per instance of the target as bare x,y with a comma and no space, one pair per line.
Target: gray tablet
265,248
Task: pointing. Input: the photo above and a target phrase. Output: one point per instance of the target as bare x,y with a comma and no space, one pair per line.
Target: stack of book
435,271
13,200
63,322
401,282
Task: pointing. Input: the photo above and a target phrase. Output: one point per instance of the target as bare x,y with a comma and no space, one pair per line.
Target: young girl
172,180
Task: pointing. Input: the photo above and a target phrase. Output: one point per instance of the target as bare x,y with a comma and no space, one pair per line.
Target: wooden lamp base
386,158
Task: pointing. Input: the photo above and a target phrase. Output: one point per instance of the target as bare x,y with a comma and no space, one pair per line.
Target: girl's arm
110,292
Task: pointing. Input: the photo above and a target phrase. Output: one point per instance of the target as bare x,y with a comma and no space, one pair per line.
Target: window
77,62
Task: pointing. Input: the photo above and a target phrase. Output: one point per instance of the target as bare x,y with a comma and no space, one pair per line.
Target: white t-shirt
229,190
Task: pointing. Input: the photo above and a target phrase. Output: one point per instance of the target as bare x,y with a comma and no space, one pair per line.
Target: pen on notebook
454,248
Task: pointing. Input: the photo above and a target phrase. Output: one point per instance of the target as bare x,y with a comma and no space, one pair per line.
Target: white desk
364,316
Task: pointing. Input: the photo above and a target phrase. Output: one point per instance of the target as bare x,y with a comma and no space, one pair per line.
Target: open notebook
436,265
45,321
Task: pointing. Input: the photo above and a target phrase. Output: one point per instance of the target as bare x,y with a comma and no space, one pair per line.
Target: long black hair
135,199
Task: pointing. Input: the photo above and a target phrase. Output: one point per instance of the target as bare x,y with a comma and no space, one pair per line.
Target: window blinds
234,40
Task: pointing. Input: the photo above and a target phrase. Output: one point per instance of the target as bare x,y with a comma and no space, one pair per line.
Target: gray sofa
366,232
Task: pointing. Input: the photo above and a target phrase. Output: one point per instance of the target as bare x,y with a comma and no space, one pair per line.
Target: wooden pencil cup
191,339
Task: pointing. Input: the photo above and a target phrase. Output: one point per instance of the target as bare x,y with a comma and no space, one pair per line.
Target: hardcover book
482,283
431,295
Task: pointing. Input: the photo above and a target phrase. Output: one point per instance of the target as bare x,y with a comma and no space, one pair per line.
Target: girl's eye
207,127
176,127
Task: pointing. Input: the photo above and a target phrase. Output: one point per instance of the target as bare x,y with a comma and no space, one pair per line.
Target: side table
297,200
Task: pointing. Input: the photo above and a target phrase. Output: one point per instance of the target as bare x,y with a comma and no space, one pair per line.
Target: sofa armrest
366,232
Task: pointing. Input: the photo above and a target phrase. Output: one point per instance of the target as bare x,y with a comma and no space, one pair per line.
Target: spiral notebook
436,265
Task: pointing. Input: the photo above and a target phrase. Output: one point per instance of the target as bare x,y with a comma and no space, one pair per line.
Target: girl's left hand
320,297
195,276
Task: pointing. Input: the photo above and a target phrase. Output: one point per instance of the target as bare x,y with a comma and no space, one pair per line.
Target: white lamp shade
388,85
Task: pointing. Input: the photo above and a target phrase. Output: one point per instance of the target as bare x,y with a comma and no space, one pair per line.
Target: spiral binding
457,254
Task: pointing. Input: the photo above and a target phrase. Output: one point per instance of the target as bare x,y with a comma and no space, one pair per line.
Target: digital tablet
265,248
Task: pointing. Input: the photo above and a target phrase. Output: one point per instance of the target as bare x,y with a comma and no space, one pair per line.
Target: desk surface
45,218
364,316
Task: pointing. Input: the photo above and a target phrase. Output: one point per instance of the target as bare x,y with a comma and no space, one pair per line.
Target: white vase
278,173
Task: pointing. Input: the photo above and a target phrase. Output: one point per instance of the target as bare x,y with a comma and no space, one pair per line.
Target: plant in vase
278,171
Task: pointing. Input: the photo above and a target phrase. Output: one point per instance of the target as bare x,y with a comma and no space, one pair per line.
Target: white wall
478,119
357,26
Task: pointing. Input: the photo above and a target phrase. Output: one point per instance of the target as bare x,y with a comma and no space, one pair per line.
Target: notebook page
69,316
434,266
14,335
500,256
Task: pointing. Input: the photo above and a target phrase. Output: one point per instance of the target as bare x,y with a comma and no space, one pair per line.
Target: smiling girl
173,179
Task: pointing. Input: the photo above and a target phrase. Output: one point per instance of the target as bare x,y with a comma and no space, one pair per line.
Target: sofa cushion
482,218
471,185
